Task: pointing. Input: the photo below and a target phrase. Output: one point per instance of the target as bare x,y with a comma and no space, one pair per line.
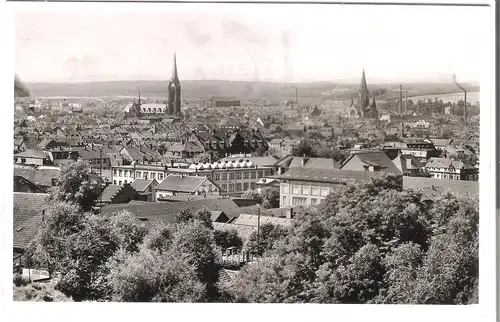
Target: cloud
197,37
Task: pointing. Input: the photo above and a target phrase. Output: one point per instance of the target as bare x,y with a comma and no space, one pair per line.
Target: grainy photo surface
248,153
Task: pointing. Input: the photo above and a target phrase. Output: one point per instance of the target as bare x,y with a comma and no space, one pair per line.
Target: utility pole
258,232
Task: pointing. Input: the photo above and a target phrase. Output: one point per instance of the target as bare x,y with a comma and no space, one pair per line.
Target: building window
146,175
230,187
125,182
285,188
245,175
245,186
125,173
223,187
284,202
314,201
253,185
160,176
324,192
120,173
305,190
299,201
268,173
153,175
259,174
223,176
237,187
315,191
120,182
238,175
217,176
114,181
115,173
253,174
138,174
231,175
295,190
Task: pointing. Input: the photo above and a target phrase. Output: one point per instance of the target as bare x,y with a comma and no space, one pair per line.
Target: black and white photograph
251,153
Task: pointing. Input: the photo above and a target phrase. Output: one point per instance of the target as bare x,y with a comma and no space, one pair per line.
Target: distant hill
241,90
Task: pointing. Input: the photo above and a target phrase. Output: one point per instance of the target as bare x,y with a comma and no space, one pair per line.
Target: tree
254,196
268,235
270,197
227,238
303,149
77,185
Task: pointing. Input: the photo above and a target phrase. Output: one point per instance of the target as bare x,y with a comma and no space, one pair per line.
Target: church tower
364,100
174,92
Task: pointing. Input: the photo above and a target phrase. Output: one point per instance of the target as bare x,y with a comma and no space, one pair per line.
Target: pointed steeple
364,101
175,77
374,105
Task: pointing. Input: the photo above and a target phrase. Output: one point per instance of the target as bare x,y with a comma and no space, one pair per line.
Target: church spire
374,105
363,92
175,77
139,100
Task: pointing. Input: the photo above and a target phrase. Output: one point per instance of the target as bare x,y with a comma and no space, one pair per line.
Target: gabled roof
140,185
21,184
32,154
181,183
402,164
314,163
41,177
109,192
332,176
166,211
447,163
28,208
372,158
432,188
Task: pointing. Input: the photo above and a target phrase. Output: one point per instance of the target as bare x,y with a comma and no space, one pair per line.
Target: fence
234,258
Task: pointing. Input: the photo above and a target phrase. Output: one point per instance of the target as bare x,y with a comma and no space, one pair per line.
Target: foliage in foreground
365,244
371,244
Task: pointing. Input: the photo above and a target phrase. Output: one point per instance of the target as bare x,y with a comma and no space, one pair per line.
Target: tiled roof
339,176
32,154
436,187
181,183
109,192
313,163
446,163
166,211
27,214
373,158
252,220
21,184
41,177
140,185
244,232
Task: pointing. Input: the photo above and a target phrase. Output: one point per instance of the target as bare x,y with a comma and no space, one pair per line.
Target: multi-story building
309,186
236,175
443,168
370,161
121,174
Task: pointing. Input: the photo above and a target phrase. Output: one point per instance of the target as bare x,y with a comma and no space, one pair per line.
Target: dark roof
165,211
109,192
435,187
40,177
181,183
27,214
330,175
140,185
373,158
21,184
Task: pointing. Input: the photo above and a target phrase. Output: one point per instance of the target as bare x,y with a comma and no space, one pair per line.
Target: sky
258,42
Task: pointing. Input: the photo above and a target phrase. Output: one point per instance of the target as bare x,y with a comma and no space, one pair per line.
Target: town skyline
255,46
